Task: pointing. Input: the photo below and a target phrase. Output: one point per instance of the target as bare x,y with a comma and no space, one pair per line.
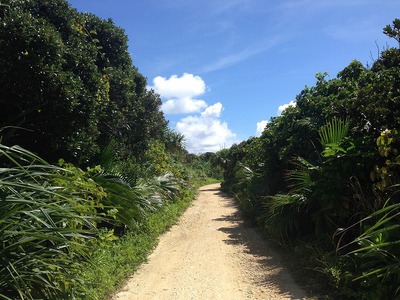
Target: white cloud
281,108
206,132
182,106
213,111
203,132
179,93
187,85
260,127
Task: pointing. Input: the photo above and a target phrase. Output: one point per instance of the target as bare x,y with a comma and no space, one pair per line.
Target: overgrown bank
110,266
68,233
323,178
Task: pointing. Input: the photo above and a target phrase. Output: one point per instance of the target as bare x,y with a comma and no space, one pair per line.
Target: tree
69,86
393,31
49,79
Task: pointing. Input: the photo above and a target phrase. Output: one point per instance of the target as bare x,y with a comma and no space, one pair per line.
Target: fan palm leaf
332,135
334,131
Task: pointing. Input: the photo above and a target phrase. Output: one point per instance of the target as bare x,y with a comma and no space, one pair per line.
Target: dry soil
211,254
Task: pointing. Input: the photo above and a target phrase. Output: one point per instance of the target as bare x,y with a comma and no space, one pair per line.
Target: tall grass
376,253
44,228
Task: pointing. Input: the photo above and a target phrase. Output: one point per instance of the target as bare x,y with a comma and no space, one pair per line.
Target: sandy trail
211,254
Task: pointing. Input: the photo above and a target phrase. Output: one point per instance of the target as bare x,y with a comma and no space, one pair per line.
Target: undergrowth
316,270
114,262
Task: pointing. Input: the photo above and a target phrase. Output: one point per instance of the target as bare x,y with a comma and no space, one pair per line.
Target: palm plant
332,135
130,202
376,252
174,141
286,212
128,198
315,198
168,186
242,185
43,228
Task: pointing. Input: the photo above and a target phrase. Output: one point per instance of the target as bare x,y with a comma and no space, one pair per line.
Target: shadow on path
245,235
216,189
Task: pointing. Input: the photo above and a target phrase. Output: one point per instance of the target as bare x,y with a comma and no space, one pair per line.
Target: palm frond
168,185
379,244
43,227
285,211
334,131
302,178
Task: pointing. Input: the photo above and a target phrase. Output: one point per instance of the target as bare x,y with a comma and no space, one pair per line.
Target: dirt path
211,254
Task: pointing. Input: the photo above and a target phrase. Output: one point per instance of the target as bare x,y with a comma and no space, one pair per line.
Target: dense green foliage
58,221
45,228
69,86
327,172
117,177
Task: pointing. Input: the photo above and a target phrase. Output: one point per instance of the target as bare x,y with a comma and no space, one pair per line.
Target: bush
45,227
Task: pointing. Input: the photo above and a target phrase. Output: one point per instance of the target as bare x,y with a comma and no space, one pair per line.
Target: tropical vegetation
323,178
90,172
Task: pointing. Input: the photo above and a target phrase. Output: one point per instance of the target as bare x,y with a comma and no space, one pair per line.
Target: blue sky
224,66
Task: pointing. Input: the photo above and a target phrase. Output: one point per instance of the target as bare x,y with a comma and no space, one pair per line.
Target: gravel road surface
211,254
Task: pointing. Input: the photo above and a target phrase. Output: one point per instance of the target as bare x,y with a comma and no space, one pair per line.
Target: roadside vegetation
323,180
90,172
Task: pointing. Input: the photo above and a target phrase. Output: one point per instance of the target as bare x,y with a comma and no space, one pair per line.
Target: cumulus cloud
203,129
182,106
180,93
260,127
284,106
206,132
